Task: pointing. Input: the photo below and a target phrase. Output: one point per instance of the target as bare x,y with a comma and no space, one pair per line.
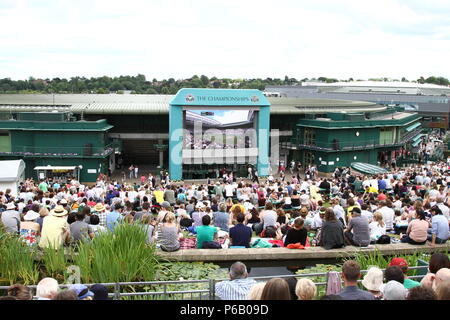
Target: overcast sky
225,38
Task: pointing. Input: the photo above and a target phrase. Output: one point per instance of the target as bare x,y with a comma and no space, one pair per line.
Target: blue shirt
241,235
439,226
112,219
381,184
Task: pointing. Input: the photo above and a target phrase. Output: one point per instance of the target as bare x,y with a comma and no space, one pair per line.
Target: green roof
418,137
416,143
412,127
367,168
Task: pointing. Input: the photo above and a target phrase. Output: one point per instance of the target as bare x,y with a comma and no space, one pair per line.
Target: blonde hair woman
256,291
305,289
377,227
168,234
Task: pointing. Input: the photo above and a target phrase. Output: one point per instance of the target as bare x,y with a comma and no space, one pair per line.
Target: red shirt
382,196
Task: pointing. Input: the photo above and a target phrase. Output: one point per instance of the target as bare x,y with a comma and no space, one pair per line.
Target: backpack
259,243
211,245
384,239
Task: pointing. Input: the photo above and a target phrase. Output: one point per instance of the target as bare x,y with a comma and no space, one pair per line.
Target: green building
339,139
58,143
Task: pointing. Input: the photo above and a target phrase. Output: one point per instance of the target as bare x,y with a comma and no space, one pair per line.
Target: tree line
140,85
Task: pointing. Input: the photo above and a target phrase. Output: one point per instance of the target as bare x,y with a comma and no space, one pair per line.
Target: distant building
77,148
432,102
339,139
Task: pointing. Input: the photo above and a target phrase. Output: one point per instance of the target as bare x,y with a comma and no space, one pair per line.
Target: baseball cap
400,262
100,292
82,291
356,209
393,290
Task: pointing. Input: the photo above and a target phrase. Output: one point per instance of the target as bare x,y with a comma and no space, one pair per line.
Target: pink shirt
418,230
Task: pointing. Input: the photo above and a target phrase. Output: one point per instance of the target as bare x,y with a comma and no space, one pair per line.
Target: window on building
310,136
308,158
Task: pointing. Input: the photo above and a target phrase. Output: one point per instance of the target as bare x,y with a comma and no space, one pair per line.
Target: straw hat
59,211
99,207
31,215
373,279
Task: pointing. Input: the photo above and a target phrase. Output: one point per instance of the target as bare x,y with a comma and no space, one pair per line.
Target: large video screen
231,130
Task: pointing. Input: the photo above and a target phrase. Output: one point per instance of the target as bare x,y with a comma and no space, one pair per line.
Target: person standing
131,169
255,177
136,171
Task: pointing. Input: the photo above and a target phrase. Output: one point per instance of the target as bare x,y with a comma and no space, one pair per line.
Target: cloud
224,38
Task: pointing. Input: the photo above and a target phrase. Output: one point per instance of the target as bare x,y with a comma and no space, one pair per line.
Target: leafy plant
17,264
122,256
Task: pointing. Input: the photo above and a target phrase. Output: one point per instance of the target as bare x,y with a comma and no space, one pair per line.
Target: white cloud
224,38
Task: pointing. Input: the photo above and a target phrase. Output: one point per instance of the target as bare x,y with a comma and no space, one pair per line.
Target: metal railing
166,290
355,144
82,151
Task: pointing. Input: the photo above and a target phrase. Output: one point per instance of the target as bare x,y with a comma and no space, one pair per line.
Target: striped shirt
237,289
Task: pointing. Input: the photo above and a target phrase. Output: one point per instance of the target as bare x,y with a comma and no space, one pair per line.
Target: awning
367,168
67,168
412,127
416,143
416,138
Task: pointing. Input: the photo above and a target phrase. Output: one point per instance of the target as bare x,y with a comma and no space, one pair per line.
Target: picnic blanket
191,243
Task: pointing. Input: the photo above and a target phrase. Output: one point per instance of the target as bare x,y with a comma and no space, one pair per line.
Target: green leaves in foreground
17,261
122,256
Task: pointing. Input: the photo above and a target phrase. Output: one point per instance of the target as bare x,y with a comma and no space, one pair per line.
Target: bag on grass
384,239
259,243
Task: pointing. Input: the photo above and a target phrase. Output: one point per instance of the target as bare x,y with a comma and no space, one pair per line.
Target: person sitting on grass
360,227
439,232
332,234
240,234
297,234
205,232
417,231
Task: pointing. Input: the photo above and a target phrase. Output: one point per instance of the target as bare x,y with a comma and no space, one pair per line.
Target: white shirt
367,214
339,212
445,210
229,190
388,217
317,221
374,184
376,230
